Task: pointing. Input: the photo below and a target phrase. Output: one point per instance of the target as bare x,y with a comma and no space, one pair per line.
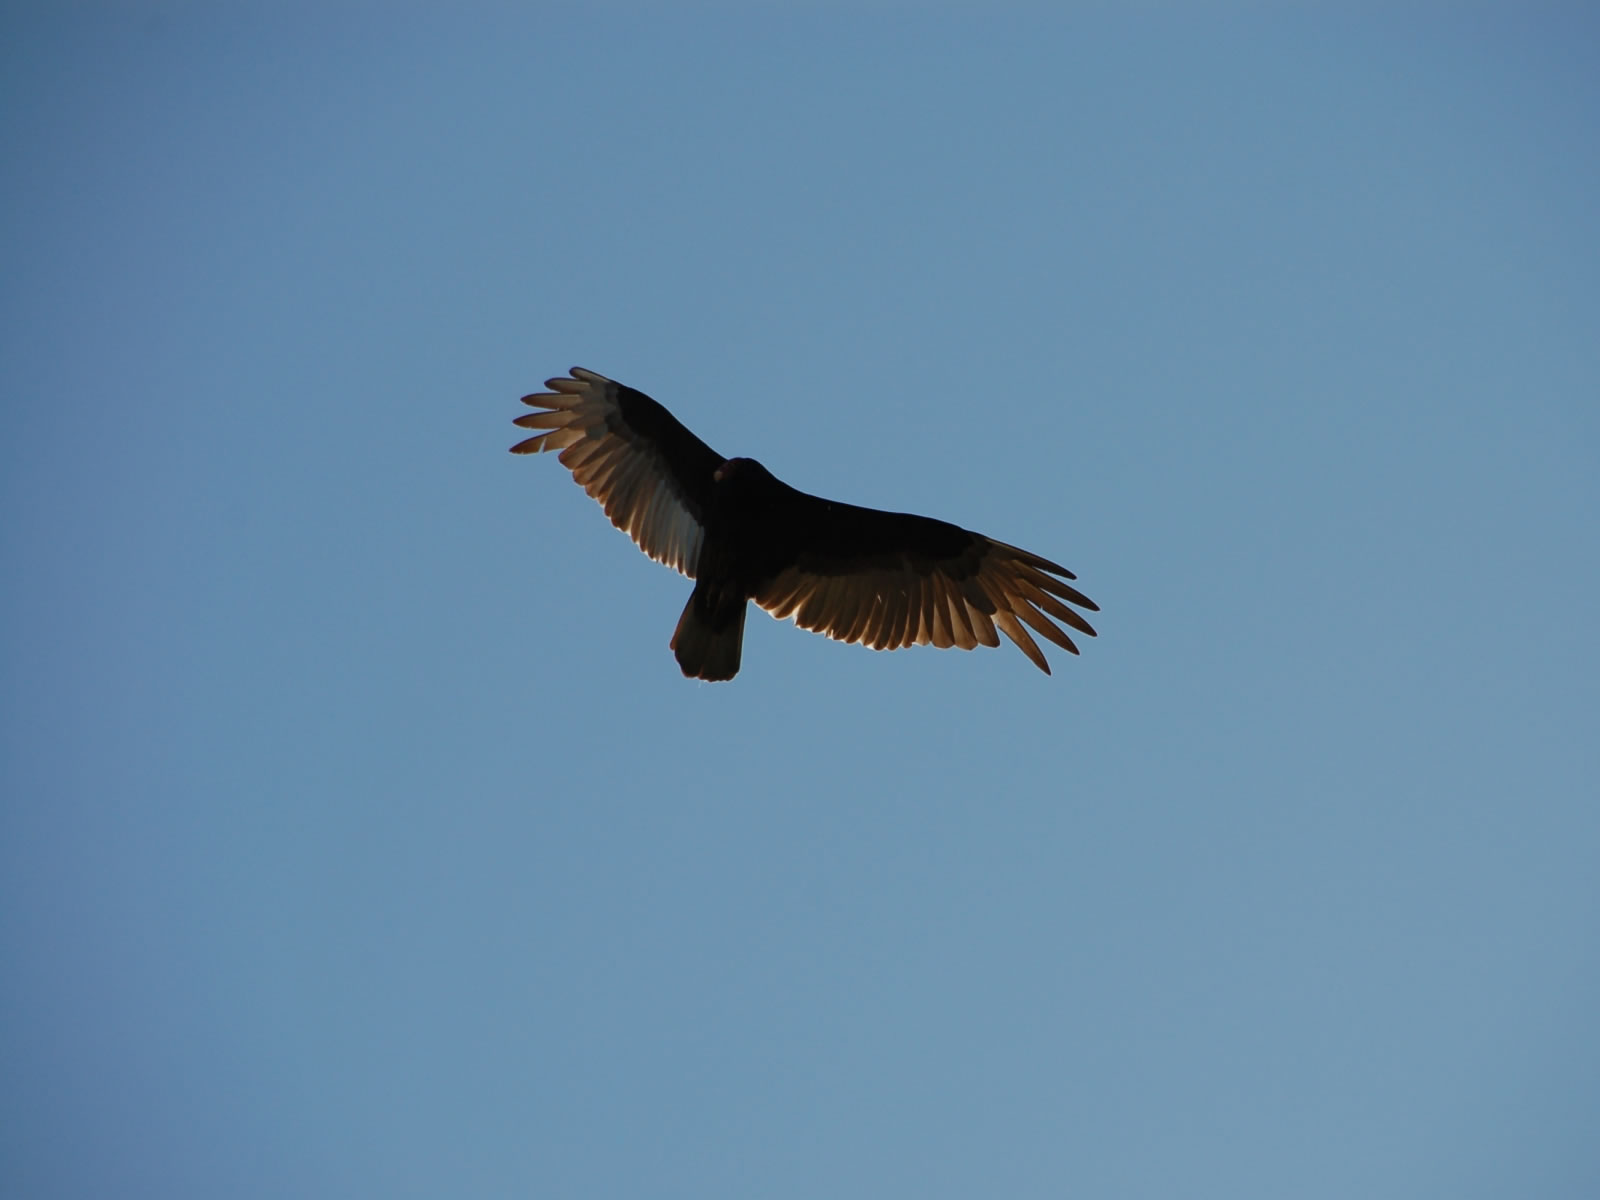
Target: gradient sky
360,836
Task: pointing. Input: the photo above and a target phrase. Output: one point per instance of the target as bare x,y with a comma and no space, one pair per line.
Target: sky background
360,836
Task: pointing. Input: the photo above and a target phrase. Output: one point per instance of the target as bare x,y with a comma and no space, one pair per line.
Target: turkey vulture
856,574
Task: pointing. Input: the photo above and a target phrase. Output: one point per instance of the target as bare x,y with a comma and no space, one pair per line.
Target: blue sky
361,836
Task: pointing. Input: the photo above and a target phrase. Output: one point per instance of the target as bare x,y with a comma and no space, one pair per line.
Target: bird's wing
651,475
893,579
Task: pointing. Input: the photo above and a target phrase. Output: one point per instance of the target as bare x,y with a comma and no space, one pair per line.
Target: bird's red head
733,469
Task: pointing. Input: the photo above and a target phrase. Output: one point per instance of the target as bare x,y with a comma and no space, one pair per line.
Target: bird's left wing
895,579
652,476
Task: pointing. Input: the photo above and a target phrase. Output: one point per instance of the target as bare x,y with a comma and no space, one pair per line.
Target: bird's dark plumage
856,574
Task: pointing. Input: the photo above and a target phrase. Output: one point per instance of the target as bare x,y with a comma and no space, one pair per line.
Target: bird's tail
710,634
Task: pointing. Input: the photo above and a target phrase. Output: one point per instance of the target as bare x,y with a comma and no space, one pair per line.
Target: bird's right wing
652,476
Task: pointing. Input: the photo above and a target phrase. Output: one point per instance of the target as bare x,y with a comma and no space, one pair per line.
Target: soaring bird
884,579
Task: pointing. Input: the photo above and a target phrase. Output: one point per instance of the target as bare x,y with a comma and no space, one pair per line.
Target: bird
882,579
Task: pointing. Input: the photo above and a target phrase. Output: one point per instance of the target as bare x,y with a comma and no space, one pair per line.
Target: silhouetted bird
856,574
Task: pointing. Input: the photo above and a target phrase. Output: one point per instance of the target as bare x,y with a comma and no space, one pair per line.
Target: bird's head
737,471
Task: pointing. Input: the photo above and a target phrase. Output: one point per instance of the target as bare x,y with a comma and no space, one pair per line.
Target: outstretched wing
893,579
651,475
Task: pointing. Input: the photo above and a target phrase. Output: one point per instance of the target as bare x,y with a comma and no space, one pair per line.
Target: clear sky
360,836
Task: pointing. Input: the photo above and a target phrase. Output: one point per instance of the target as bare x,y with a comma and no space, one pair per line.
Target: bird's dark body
772,525
855,573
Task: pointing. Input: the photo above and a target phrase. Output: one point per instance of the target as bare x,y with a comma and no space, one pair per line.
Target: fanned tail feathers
710,634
